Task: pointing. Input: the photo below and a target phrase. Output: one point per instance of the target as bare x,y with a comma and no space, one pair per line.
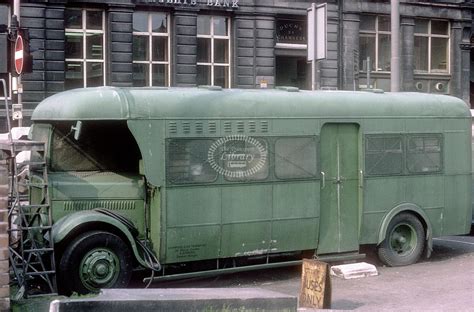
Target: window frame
315,141
7,76
174,182
84,31
429,35
213,37
271,176
377,33
385,136
441,152
269,144
150,34
405,139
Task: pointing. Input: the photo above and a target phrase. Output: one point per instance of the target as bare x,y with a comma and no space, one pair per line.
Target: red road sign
19,55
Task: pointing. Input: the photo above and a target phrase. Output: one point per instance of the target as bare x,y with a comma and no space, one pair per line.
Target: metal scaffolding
32,258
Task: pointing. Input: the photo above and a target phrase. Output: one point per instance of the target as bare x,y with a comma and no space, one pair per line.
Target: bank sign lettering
209,3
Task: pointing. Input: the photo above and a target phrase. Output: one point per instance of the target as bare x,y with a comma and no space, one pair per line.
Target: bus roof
111,103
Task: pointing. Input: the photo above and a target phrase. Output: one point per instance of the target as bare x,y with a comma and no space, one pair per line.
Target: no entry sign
19,55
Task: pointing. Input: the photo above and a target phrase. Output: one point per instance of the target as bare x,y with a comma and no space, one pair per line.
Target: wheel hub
99,269
403,239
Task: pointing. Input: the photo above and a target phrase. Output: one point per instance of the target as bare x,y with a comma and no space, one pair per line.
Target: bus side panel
427,192
380,194
295,216
149,134
377,202
458,215
457,218
457,143
193,217
246,220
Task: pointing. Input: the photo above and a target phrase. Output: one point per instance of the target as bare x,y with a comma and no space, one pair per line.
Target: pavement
445,282
180,299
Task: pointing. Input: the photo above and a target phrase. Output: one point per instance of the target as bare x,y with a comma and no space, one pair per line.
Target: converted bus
211,180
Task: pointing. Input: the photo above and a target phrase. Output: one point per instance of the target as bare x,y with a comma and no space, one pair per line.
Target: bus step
341,257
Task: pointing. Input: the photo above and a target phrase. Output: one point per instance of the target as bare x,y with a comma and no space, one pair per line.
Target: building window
374,43
4,24
151,51
291,32
84,52
431,46
213,55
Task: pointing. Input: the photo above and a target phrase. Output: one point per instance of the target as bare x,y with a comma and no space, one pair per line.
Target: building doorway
292,71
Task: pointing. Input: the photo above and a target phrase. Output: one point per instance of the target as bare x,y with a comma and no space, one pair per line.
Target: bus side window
295,158
187,161
424,154
244,159
384,155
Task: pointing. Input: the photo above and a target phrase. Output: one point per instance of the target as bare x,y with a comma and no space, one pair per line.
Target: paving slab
354,270
180,299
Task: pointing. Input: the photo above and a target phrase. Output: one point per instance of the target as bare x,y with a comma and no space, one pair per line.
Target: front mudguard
81,221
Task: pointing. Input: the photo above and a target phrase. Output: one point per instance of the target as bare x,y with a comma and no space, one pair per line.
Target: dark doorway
292,71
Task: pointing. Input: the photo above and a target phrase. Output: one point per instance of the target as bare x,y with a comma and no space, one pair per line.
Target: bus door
339,207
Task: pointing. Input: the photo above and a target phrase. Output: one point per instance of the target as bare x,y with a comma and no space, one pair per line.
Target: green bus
196,181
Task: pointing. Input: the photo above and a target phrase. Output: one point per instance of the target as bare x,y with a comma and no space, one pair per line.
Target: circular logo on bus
237,156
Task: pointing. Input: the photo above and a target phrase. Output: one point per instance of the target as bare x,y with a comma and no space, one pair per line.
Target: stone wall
254,45
4,265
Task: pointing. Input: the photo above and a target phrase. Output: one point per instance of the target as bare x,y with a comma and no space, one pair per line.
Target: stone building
238,44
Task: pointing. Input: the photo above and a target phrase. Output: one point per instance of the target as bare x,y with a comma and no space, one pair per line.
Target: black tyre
92,261
404,241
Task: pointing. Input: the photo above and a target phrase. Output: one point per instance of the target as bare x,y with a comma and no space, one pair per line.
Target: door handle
361,179
323,179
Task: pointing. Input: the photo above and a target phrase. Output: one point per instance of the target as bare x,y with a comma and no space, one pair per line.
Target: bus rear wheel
92,261
404,241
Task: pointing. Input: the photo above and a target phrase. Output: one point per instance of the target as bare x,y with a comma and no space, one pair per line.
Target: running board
210,273
341,257
223,271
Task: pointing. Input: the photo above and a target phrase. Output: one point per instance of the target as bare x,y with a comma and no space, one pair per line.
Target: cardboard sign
315,285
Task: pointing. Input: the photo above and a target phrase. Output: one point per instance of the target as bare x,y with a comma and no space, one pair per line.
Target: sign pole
19,91
317,41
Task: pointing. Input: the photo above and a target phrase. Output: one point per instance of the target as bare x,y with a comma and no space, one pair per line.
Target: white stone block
354,270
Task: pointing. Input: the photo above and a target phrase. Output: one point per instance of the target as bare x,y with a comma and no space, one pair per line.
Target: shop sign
291,32
203,3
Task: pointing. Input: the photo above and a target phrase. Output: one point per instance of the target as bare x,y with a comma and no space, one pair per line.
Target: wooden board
315,285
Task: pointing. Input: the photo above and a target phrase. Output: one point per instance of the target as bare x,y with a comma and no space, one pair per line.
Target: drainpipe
395,59
340,58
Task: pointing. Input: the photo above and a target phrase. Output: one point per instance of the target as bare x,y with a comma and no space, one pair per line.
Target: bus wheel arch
69,228
404,222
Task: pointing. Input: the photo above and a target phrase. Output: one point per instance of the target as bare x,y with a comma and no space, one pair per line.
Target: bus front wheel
404,241
92,261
